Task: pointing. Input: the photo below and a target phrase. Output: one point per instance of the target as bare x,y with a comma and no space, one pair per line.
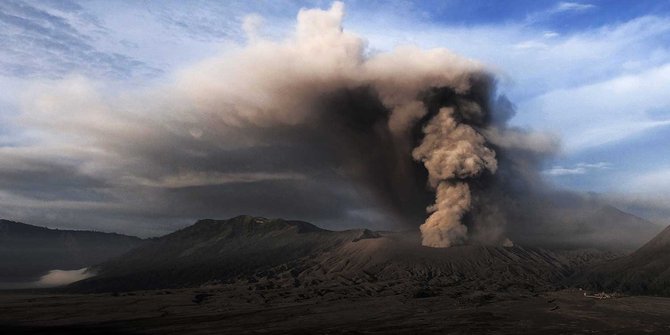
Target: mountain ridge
8,225
28,251
248,250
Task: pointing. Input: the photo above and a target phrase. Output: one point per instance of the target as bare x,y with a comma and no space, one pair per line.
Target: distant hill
27,252
645,271
568,221
249,250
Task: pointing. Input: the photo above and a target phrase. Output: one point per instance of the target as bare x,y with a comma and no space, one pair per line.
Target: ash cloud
311,127
378,116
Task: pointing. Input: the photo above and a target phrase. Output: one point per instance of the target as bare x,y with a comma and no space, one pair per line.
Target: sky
593,74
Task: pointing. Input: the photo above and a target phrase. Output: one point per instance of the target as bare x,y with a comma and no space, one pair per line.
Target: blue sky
595,74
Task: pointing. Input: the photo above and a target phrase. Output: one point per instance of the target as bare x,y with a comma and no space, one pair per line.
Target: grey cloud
45,179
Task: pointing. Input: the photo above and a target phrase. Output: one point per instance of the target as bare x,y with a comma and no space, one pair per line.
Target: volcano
282,276
248,250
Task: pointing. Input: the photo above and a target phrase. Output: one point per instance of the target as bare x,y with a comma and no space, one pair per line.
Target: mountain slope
645,271
568,221
257,251
27,252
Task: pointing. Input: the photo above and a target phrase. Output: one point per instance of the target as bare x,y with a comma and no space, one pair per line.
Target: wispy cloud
572,6
578,169
52,41
214,178
559,8
607,111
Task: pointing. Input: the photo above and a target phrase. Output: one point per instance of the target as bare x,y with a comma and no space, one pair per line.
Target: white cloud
550,34
573,6
561,171
578,169
559,8
599,165
604,112
531,45
591,87
534,62
251,25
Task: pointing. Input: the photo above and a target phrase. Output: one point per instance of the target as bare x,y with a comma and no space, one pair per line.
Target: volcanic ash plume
315,115
378,115
452,153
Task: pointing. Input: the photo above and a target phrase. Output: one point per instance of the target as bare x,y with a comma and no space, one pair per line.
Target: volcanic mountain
256,251
568,221
645,271
27,252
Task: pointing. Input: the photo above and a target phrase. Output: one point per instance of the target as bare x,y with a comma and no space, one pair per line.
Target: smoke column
452,153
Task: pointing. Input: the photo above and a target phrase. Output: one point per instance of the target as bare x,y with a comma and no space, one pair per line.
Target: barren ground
226,310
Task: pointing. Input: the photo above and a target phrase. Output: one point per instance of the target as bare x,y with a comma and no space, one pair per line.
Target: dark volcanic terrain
246,309
255,275
295,254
